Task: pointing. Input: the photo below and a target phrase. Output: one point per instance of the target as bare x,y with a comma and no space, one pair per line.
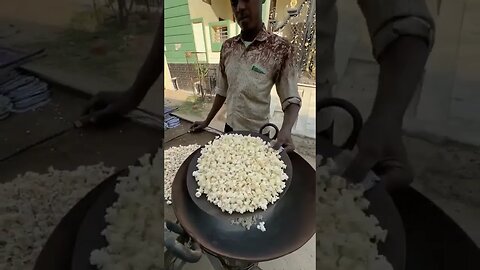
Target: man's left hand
380,147
284,139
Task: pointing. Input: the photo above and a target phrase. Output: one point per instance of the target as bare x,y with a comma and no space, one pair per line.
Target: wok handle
191,253
352,111
270,125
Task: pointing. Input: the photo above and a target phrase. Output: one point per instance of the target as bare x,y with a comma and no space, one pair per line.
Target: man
402,36
250,64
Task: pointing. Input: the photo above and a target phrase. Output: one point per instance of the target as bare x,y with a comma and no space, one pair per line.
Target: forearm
151,68
290,117
217,105
401,68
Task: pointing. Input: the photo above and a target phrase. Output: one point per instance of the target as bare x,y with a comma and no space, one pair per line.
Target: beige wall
222,9
200,9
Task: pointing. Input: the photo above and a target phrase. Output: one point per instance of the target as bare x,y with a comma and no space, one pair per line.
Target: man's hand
105,107
198,126
284,139
380,147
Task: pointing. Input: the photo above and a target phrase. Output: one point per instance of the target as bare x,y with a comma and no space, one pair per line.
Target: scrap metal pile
21,93
170,120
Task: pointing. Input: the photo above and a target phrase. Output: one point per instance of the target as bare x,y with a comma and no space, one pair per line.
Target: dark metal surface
291,225
57,253
214,210
433,240
89,235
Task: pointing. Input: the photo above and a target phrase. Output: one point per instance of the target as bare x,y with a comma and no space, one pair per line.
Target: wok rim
179,187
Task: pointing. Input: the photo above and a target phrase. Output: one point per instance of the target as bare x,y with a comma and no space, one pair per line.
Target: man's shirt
247,73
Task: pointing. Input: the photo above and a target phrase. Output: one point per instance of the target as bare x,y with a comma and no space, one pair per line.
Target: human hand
198,126
284,139
105,107
380,147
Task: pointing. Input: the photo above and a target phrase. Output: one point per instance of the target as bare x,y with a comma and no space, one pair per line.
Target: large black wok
290,223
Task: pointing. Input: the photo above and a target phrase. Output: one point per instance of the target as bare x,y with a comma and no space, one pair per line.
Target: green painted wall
178,31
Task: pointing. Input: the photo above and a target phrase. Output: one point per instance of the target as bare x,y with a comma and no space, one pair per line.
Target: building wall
222,9
200,9
186,74
178,31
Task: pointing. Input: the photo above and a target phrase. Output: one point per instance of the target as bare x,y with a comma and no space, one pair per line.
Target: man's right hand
198,126
105,107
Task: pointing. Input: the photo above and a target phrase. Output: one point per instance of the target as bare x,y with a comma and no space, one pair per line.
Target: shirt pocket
260,81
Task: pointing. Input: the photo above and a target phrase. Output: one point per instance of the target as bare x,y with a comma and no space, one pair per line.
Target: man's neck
251,34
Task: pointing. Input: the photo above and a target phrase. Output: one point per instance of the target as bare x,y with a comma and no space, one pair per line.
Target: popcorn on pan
344,231
240,173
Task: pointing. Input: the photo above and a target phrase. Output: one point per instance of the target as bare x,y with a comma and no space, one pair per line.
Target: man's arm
401,69
220,97
151,68
216,106
402,34
290,116
287,90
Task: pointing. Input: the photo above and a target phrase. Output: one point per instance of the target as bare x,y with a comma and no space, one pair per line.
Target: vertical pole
266,12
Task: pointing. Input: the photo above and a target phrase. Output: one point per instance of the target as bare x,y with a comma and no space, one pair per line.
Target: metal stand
229,264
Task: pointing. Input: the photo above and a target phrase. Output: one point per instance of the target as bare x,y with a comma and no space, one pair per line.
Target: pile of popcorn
174,158
346,237
31,206
135,221
240,173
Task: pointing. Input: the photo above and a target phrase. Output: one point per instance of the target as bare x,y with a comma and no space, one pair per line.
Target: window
219,32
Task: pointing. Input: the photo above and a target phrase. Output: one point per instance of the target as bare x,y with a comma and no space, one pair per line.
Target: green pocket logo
258,69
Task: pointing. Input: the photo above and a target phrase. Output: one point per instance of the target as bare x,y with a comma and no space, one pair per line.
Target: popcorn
240,173
344,232
174,158
135,221
33,204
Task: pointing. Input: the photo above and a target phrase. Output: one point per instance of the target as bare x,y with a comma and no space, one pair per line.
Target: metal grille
220,33
202,82
298,26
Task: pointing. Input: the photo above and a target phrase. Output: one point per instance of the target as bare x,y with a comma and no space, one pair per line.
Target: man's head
248,13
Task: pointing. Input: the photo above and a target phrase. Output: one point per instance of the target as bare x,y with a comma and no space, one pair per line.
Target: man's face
247,13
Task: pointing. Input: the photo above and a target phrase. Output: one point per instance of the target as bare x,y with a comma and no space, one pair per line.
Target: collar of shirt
261,36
